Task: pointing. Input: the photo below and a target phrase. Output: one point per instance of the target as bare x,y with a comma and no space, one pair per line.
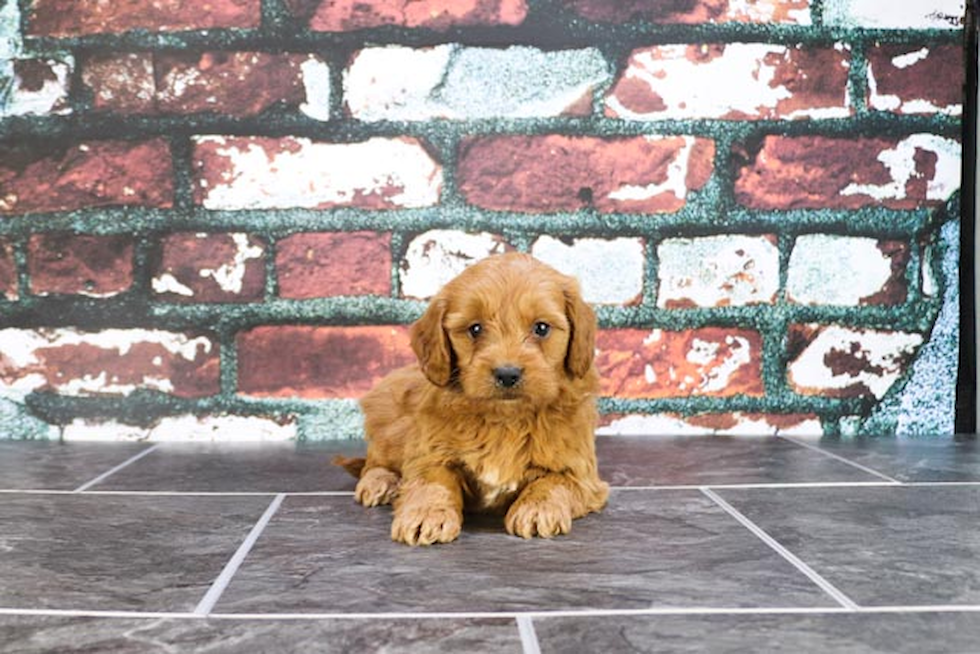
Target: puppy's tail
350,464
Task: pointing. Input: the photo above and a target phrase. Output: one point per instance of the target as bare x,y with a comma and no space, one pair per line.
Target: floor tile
48,465
712,460
29,635
895,545
92,552
911,460
239,467
647,548
930,633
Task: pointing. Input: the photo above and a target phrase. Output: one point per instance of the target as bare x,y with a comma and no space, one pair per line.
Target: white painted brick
316,83
838,270
51,98
852,362
254,173
437,256
455,82
210,429
711,271
610,271
679,84
770,11
885,14
730,424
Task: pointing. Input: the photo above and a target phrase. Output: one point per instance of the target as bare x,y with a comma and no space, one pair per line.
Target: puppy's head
507,328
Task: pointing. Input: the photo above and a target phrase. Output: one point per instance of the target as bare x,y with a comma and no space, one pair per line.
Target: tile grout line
109,473
214,593
529,638
678,487
489,615
751,486
798,563
853,464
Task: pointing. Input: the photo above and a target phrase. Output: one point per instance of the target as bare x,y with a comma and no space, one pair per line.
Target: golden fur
460,431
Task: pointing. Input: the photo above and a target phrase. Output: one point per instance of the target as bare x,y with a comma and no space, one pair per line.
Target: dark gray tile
238,467
50,465
88,552
894,545
663,548
28,635
914,633
712,460
940,459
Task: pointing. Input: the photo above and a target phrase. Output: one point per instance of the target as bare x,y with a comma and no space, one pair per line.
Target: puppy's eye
541,329
475,330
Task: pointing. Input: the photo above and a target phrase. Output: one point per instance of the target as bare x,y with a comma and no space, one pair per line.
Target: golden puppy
499,414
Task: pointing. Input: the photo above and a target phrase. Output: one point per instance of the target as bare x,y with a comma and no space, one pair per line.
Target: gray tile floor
709,544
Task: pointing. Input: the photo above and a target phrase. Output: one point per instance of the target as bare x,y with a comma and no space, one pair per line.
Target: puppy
499,414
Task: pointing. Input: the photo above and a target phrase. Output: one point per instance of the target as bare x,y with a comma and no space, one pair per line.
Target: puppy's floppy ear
431,344
581,345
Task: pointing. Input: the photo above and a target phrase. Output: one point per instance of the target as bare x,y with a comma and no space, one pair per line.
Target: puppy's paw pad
377,486
425,526
531,518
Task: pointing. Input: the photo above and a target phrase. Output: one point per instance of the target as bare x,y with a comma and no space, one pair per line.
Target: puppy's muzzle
507,376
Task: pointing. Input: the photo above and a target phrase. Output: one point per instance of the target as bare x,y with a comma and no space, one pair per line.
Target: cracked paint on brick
696,81
437,256
717,271
455,82
722,424
922,14
846,271
109,362
653,364
837,361
268,173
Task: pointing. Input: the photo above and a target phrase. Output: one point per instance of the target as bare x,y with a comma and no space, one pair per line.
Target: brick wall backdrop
217,219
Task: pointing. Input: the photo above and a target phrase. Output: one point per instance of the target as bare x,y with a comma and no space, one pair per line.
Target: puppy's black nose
507,376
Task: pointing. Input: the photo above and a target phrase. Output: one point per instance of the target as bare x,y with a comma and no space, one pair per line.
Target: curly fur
447,435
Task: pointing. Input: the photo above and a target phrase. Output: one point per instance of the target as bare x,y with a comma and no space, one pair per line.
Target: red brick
909,80
774,82
8,271
96,174
80,17
211,268
98,266
693,11
348,15
233,83
635,174
712,361
318,362
810,172
330,264
121,82
111,362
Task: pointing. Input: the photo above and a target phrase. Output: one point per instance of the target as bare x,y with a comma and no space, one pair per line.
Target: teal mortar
548,26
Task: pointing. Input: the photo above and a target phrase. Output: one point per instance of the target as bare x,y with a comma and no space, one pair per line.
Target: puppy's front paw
422,525
533,516
377,486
